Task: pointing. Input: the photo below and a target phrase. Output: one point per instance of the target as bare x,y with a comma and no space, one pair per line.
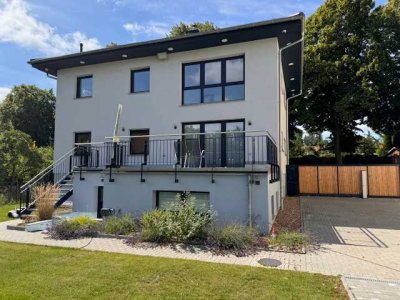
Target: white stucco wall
229,195
161,109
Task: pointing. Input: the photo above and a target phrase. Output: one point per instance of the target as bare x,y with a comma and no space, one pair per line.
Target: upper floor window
140,80
84,86
213,81
139,141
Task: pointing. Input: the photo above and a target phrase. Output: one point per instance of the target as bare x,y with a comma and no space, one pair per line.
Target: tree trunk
338,146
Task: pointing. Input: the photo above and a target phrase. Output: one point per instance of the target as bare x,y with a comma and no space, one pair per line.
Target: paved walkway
360,250
362,288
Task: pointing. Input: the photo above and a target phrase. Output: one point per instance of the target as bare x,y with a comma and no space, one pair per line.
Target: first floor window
140,81
139,141
167,199
84,87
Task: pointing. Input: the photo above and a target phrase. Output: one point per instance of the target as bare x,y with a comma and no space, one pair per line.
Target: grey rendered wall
228,195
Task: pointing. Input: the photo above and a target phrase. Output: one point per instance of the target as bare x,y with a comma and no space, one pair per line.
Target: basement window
165,199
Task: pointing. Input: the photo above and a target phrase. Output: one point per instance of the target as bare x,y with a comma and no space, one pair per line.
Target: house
204,112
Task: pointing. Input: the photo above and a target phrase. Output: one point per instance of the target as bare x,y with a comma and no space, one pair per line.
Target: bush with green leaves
232,237
182,222
291,240
74,228
121,225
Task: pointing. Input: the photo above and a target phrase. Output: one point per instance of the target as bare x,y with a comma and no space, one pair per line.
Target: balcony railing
221,149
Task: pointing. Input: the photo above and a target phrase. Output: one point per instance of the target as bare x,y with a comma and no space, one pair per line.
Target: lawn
4,209
36,272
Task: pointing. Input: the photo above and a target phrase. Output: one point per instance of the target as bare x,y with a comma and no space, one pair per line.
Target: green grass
4,209
36,272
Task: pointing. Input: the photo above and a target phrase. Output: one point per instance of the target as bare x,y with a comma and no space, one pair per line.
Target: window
137,145
84,87
221,150
213,81
83,137
165,199
140,81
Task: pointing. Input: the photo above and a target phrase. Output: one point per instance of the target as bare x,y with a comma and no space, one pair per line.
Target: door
99,200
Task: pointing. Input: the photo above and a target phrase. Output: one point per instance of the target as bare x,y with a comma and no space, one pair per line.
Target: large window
204,144
166,199
213,81
140,80
84,87
139,141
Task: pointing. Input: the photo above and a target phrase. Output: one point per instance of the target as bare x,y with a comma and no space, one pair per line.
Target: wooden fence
383,180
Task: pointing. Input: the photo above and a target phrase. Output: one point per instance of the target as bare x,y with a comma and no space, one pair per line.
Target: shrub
233,237
291,240
121,225
74,228
45,196
181,223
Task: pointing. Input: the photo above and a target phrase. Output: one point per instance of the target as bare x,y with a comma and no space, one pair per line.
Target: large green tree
382,74
184,28
335,97
31,110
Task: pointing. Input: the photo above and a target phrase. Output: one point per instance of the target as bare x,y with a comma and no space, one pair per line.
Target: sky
44,28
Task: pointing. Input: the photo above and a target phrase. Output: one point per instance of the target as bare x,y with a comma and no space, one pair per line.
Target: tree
184,28
30,110
367,145
334,95
20,158
111,45
297,146
383,70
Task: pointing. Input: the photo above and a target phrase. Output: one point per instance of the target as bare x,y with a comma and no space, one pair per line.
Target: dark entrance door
99,200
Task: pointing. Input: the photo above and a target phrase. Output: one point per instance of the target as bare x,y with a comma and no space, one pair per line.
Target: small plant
182,222
74,228
45,196
291,240
121,225
233,237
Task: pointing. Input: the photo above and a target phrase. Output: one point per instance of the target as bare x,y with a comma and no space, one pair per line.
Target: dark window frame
132,83
78,86
223,136
132,141
222,85
177,192
80,151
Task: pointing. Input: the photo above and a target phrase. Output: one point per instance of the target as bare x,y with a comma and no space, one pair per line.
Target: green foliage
233,237
20,159
74,228
297,146
30,110
181,223
382,72
335,97
291,240
121,225
183,28
367,145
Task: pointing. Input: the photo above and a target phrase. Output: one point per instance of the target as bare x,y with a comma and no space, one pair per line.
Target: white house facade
205,113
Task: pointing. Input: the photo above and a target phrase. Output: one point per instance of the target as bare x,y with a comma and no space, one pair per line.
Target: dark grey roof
287,30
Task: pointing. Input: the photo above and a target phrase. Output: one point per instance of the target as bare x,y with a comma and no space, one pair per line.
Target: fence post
145,153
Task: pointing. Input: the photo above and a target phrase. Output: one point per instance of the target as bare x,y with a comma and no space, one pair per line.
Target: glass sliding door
191,148
234,144
212,144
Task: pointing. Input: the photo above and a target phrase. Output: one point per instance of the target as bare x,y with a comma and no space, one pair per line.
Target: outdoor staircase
59,174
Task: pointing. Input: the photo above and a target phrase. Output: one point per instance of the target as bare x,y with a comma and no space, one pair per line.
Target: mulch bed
289,216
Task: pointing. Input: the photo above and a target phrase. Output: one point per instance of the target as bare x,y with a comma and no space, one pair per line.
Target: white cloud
3,92
150,29
19,26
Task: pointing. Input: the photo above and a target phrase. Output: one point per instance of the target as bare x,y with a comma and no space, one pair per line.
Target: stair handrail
45,171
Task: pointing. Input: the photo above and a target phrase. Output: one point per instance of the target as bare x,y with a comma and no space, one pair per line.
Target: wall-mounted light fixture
249,123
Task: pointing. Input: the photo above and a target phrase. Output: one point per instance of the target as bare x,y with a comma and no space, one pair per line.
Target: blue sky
44,28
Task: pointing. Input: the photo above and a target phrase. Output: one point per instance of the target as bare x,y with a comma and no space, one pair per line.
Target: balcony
200,151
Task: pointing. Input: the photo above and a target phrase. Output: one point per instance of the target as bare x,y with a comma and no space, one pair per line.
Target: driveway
365,236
